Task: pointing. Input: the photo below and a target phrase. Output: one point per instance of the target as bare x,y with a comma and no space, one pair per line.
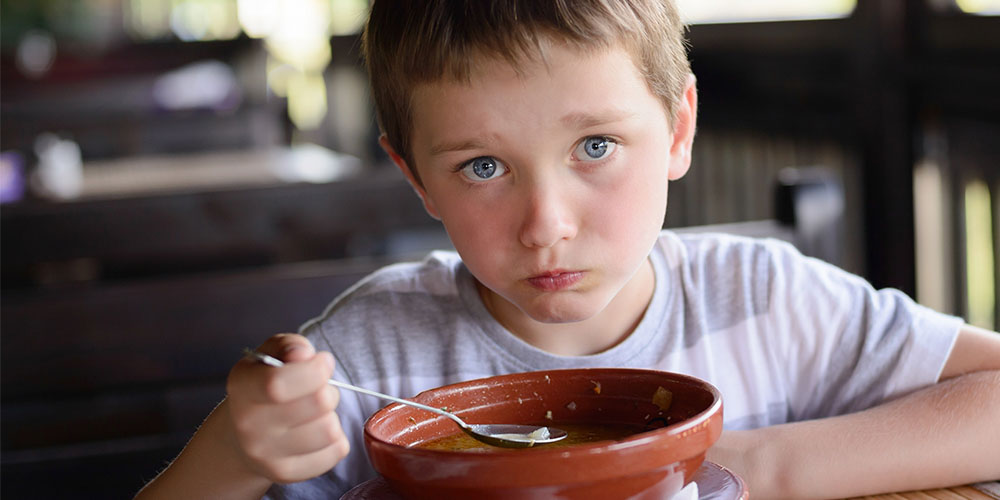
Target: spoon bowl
501,435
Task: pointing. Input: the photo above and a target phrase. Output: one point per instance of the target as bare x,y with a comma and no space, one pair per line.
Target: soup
576,434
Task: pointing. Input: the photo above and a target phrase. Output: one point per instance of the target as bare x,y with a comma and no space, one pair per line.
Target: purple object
11,176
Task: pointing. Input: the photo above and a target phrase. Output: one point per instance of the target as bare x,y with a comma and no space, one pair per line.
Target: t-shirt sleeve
849,346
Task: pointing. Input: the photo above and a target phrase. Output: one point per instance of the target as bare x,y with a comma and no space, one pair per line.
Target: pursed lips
555,280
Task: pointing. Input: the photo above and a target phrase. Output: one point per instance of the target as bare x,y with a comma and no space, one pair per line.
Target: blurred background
183,178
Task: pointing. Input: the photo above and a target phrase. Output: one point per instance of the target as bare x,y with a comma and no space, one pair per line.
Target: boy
543,136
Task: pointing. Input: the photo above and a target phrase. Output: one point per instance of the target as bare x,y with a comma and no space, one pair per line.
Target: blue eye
483,168
595,148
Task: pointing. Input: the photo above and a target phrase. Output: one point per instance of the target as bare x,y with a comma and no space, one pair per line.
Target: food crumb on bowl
662,398
547,379
548,414
571,406
597,386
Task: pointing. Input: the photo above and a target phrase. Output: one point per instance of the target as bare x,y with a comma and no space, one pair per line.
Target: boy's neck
606,329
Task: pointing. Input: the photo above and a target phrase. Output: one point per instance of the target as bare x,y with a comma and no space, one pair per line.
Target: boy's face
552,183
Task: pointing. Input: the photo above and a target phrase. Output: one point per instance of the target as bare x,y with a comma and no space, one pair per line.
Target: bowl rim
641,439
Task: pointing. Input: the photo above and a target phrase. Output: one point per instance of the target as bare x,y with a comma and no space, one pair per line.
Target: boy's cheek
479,241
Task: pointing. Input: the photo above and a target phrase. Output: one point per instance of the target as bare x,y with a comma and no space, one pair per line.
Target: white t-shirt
784,337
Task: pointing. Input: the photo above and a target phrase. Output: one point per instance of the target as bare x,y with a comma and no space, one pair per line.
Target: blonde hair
410,42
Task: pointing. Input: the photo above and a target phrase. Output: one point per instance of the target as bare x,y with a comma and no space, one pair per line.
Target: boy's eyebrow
438,149
587,120
573,120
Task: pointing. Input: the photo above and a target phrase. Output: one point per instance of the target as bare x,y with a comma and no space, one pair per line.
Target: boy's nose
548,219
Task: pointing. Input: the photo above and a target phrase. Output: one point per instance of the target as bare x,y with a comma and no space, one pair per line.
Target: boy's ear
414,183
684,126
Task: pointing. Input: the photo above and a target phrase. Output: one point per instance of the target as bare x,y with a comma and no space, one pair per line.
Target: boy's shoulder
434,275
727,264
403,288
688,247
377,327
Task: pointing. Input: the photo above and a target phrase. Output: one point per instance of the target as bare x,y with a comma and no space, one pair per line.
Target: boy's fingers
305,409
311,436
288,347
268,384
302,467
294,380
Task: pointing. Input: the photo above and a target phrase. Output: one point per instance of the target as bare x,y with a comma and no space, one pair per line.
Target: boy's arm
209,467
275,425
939,436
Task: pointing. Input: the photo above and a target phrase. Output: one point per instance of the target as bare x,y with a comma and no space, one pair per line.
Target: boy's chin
552,309
561,312
560,318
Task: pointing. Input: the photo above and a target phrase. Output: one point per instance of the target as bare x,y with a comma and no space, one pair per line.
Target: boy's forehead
430,99
486,71
487,68
573,89
467,70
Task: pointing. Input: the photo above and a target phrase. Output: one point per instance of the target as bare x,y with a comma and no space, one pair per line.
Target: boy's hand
283,417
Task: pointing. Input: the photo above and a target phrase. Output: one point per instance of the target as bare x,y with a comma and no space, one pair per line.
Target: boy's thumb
288,347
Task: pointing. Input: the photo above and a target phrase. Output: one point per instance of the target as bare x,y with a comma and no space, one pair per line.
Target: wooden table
955,493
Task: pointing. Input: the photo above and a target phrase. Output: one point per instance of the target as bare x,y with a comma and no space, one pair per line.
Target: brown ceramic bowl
654,463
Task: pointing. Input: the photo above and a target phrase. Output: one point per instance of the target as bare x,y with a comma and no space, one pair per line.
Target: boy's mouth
552,281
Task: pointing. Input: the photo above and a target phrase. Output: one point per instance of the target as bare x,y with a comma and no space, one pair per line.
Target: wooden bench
121,375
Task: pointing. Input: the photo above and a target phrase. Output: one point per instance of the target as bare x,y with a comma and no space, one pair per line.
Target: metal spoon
502,435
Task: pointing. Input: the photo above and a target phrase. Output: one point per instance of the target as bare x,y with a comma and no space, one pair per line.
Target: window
980,7
727,11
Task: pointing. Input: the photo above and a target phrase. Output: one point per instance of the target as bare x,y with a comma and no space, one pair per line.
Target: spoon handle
272,361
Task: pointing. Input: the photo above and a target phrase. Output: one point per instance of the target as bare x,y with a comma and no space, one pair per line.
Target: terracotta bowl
655,463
